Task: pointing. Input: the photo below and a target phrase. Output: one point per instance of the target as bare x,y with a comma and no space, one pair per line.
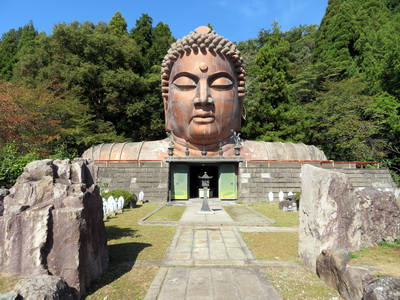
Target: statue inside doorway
203,86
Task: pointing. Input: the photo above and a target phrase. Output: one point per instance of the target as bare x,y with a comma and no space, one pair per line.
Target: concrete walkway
210,262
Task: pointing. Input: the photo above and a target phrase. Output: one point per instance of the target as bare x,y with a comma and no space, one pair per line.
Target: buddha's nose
203,96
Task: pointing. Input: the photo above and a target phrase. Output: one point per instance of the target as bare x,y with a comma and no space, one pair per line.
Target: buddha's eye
221,83
184,83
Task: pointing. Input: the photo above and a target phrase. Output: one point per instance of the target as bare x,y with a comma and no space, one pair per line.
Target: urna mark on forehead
201,41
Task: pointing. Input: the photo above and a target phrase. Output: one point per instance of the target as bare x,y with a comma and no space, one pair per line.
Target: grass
273,245
123,282
395,244
128,242
168,213
7,283
294,282
385,257
243,214
298,283
282,218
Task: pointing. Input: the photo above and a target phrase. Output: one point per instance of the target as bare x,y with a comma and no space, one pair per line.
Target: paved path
227,271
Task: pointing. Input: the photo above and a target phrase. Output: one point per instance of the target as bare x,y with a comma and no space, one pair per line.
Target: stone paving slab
215,263
192,215
267,229
197,243
208,259
211,284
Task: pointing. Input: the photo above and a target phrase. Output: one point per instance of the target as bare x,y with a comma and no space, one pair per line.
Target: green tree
142,34
118,24
161,40
8,52
344,122
336,38
89,63
10,44
267,93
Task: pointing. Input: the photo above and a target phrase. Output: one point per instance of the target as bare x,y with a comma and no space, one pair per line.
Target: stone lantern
205,183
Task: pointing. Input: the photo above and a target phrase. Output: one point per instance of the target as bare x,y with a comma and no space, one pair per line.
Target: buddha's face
203,105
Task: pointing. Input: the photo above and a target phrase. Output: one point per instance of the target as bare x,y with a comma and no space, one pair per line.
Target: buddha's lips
207,118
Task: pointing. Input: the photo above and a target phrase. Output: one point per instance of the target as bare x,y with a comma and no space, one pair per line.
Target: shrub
130,199
297,197
395,244
12,163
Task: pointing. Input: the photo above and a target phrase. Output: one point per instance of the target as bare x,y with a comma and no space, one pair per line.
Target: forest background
335,85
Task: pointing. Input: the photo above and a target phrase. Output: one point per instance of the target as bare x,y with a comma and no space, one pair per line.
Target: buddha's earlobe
167,124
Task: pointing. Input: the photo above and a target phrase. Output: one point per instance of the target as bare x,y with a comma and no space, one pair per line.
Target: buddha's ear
167,123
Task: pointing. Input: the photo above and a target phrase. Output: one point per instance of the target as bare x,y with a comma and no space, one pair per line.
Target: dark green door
227,181
179,184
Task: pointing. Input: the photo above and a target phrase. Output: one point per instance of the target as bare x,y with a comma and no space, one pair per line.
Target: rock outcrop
349,281
44,287
383,288
380,217
53,224
333,214
12,295
3,194
329,214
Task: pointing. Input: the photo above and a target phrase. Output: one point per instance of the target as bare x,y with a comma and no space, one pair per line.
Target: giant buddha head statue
203,84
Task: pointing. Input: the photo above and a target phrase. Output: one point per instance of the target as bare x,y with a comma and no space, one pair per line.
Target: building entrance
185,182
196,190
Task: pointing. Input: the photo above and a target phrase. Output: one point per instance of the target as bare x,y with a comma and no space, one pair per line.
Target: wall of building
257,179
149,177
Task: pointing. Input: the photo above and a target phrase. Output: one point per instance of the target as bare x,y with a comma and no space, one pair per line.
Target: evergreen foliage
10,45
118,24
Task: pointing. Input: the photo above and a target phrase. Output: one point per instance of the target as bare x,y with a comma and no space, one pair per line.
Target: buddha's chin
203,133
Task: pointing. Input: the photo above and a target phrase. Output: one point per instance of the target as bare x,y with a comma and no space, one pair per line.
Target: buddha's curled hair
203,39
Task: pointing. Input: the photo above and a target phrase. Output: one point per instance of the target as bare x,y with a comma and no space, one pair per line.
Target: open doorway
195,182
185,182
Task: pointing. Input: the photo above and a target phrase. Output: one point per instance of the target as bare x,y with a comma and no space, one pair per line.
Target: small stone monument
120,203
110,205
105,208
281,196
141,197
271,196
115,203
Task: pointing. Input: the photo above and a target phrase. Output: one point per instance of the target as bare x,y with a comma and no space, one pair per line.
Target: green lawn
272,211
168,213
127,242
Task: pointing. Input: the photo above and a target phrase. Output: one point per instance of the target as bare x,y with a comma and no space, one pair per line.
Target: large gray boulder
380,217
53,224
329,214
44,287
383,288
11,295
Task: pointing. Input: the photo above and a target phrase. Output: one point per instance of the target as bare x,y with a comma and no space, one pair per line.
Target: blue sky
236,20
